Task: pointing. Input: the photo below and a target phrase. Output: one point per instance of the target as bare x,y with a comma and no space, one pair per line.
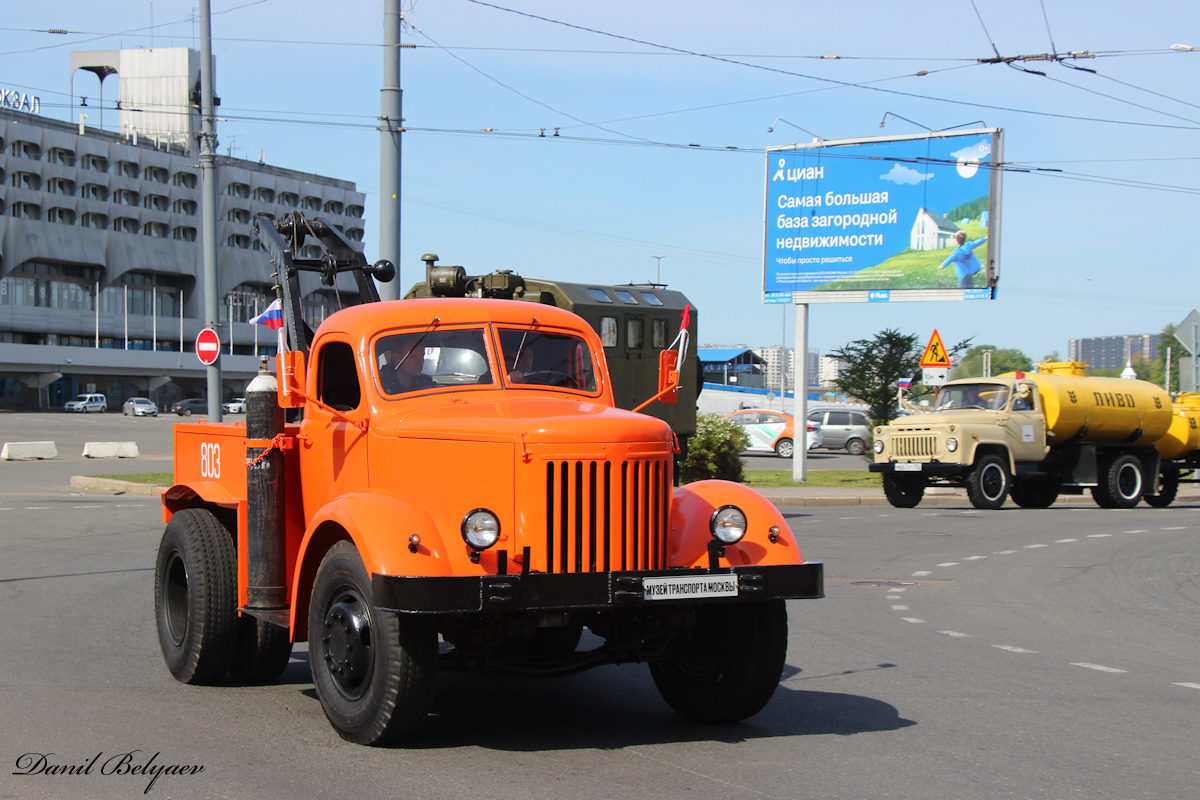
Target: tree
1156,371
871,368
1003,360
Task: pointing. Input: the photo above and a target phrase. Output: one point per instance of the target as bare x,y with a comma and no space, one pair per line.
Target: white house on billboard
932,231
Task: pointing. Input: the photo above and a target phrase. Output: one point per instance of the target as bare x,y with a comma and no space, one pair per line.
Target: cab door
333,448
1026,426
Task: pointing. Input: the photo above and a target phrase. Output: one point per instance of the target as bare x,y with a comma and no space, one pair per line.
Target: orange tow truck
445,484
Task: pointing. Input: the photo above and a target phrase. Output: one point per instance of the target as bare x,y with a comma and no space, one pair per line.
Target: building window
354,234
323,302
355,211
156,229
61,155
93,219
94,191
247,300
184,207
126,197
289,199
125,225
25,211
50,285
64,216
237,190
95,163
237,215
146,292
156,175
185,179
26,150
127,169
333,207
264,195
61,186
184,234
312,204
239,241
25,180
156,202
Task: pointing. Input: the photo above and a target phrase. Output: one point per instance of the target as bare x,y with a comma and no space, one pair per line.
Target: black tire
1036,492
195,597
903,491
373,670
728,666
1121,482
856,447
988,483
785,448
187,412
263,651
1168,487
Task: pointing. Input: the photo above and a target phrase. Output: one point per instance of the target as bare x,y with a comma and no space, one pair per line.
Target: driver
401,371
522,367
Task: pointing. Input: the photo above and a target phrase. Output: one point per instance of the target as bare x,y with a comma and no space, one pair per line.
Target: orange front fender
692,509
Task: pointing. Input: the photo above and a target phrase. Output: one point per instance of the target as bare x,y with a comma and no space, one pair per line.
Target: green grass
152,478
912,269
823,479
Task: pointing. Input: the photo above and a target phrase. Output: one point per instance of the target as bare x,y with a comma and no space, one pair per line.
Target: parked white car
86,403
235,406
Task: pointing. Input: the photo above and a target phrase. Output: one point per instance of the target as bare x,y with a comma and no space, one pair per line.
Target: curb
115,486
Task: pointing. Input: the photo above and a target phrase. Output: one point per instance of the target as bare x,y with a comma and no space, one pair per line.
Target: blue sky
663,113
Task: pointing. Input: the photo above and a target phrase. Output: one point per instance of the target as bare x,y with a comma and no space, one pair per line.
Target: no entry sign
208,346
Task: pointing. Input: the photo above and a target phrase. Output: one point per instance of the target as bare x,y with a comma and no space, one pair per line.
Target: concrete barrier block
20,451
110,450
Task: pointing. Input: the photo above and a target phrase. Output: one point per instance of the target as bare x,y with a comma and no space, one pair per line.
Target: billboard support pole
800,393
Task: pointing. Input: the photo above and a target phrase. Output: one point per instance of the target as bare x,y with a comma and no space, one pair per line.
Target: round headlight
480,529
878,446
728,524
952,444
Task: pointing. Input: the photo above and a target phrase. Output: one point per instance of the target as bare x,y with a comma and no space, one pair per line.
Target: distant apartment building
101,267
829,370
781,364
1114,352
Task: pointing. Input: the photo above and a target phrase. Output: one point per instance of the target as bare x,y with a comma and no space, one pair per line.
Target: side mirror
290,370
668,376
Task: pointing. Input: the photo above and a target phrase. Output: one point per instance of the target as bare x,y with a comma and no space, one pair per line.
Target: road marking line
901,608
920,574
1139,530
898,589
1189,685
1099,667
957,635
1012,649
841,518
1064,541
1098,535
1175,528
1035,546
38,508
913,620
949,564
1005,552
974,558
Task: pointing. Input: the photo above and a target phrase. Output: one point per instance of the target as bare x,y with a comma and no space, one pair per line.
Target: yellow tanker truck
1034,436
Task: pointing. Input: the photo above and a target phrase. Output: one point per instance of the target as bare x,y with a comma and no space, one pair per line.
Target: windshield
540,358
427,359
974,395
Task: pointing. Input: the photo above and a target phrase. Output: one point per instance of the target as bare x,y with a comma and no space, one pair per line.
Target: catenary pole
208,203
390,128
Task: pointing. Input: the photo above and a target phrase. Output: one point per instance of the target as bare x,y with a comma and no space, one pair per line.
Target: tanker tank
1183,437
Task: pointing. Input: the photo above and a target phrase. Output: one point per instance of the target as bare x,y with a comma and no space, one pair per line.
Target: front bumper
538,591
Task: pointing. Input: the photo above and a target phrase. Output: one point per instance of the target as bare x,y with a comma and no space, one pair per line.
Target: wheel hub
347,644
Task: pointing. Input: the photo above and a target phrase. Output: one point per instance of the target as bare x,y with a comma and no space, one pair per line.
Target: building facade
1114,352
101,263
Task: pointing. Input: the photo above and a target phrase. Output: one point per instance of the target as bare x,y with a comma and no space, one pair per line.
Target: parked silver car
139,407
843,429
87,403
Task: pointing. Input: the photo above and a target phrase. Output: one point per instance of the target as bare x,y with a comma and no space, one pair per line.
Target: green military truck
635,323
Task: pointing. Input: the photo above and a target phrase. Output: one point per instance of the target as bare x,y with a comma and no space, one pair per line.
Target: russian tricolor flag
904,383
272,317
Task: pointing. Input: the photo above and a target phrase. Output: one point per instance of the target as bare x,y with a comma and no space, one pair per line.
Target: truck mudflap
597,590
934,469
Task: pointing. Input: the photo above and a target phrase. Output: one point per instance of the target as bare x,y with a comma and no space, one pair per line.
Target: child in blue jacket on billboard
964,260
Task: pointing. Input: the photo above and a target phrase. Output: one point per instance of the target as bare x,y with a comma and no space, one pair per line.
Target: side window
608,331
337,377
635,333
658,333
858,419
839,418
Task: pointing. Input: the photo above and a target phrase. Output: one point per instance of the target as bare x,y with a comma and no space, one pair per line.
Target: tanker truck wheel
903,492
727,667
195,597
1121,483
373,670
1037,492
1168,487
988,483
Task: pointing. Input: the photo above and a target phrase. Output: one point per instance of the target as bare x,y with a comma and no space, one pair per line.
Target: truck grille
603,516
914,446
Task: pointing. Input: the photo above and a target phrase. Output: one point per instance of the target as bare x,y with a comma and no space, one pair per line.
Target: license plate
684,587
914,467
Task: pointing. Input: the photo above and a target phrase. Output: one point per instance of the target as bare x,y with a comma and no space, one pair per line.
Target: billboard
884,219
